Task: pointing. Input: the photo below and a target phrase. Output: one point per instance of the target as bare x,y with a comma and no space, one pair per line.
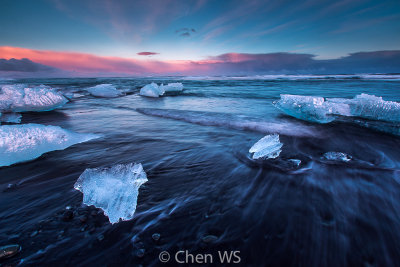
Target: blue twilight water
202,181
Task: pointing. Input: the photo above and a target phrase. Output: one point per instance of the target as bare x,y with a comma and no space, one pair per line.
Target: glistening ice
20,143
154,90
104,90
267,147
319,109
114,190
20,98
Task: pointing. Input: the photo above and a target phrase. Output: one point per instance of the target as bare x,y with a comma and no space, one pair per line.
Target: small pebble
34,233
9,251
156,236
68,215
11,186
100,237
140,253
209,239
83,218
14,236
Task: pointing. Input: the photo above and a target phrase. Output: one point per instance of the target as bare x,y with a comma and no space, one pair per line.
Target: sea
205,194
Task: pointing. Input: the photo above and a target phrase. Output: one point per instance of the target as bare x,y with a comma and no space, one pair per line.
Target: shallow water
194,148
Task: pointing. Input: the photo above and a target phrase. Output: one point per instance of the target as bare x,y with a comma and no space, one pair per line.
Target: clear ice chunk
104,90
309,108
371,107
296,162
114,190
267,147
20,98
20,143
337,156
172,87
152,90
318,109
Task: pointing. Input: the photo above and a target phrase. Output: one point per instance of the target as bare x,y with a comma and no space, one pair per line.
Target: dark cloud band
147,53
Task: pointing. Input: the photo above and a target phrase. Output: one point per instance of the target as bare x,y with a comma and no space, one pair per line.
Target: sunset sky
104,37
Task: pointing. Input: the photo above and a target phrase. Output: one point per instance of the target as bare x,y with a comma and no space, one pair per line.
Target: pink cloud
87,63
81,64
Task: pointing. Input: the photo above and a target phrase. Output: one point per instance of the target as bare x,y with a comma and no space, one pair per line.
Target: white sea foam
234,121
296,77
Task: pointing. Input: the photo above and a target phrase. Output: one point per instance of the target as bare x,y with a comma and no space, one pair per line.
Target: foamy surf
237,122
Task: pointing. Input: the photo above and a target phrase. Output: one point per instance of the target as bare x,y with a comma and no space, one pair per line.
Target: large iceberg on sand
20,98
114,190
268,147
19,143
154,90
319,109
104,90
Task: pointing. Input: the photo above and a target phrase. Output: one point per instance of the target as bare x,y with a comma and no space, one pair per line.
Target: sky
125,37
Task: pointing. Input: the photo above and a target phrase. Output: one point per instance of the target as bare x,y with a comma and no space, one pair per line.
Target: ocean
205,194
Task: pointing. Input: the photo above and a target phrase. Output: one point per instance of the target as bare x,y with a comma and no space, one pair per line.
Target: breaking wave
233,121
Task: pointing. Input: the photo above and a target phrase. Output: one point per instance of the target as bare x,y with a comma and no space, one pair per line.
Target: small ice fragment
114,190
173,87
152,90
295,162
19,143
337,156
267,147
104,90
20,98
